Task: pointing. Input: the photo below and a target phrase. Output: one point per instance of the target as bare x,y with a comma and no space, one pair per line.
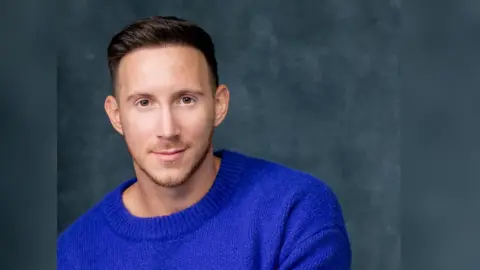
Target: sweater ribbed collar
174,225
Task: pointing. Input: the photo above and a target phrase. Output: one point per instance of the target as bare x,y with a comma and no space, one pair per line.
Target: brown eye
143,102
187,100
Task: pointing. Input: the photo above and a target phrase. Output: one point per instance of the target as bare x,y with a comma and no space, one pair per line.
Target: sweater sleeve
315,235
326,249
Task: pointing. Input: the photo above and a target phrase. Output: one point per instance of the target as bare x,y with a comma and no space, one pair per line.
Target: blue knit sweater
257,215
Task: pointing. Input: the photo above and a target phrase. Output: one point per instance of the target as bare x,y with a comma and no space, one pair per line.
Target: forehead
163,69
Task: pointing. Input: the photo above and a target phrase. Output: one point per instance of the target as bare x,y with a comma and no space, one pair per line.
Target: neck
147,199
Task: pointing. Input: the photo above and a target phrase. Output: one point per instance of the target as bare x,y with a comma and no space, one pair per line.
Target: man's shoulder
95,215
278,186
305,202
82,236
307,213
79,228
277,176
87,224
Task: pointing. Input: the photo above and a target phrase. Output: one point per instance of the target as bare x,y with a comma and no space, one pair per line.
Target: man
190,207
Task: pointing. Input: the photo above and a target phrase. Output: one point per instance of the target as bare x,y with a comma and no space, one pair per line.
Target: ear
113,111
222,99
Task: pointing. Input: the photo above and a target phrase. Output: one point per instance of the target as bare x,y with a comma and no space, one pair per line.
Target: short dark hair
160,31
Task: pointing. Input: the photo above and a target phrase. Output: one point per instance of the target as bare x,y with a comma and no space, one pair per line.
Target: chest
231,247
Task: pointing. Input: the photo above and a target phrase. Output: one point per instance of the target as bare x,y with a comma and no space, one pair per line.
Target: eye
187,100
143,102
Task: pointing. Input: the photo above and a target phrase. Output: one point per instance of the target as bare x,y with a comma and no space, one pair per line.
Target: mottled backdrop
314,86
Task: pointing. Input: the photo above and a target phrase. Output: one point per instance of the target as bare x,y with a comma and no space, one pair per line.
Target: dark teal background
45,51
314,85
45,72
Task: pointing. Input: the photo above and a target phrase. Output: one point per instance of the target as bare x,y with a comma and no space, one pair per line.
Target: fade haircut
160,31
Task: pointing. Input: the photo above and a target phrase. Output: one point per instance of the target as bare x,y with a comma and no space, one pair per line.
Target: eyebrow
139,95
178,93
189,91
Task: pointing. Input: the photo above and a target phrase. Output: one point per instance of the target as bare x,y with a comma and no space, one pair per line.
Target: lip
169,155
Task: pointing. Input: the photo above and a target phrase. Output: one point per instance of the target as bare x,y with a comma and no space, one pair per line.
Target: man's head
166,97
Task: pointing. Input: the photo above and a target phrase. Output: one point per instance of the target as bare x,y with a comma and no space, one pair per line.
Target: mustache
166,147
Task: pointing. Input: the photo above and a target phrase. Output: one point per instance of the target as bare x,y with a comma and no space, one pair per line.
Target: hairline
114,76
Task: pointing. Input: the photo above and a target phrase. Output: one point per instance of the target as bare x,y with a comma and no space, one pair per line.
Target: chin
169,178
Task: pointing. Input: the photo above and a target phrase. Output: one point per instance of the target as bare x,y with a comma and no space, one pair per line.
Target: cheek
137,128
195,124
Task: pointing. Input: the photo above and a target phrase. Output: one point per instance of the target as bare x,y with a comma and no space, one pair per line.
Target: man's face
166,109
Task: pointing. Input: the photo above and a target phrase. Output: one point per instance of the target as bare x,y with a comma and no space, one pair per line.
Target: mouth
170,154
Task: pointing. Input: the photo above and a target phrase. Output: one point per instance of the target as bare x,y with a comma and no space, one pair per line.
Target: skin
164,100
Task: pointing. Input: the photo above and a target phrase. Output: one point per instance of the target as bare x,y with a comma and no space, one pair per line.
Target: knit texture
257,215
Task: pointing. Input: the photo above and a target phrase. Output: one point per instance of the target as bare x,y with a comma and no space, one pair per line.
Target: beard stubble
170,182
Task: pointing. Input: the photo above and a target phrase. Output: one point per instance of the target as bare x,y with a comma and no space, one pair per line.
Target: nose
167,127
